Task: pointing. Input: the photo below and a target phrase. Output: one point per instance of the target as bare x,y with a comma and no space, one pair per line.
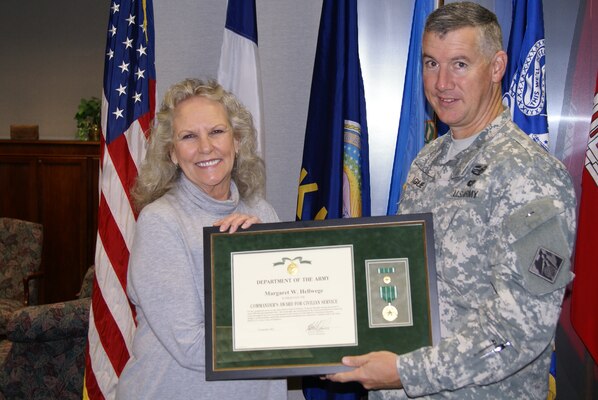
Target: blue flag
524,86
239,69
334,179
416,123
524,83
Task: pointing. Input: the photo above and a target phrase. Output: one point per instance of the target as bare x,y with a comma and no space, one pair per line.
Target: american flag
128,106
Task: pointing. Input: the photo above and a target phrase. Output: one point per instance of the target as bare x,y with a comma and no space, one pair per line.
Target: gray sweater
166,285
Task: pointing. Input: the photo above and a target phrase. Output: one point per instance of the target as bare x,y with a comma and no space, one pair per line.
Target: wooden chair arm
35,275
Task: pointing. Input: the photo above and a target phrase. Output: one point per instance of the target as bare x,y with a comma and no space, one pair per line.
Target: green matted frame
386,237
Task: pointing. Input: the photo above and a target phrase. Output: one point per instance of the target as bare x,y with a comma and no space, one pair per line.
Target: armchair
43,356
20,259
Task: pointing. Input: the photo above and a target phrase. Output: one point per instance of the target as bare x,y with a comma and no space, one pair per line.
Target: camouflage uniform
504,221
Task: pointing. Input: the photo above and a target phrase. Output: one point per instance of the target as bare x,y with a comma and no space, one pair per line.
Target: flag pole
439,3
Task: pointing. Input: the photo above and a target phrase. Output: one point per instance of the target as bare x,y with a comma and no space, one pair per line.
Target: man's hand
235,221
376,370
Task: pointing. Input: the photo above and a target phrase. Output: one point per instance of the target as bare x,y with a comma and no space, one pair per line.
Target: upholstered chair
20,259
43,356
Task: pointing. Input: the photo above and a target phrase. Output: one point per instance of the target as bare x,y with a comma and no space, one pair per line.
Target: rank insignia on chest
546,264
478,169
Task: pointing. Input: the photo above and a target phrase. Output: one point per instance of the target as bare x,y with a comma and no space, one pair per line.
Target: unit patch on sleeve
546,264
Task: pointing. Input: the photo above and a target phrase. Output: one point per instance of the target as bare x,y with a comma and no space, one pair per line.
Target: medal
390,313
389,294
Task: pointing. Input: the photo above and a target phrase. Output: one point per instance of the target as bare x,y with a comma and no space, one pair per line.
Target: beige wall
51,55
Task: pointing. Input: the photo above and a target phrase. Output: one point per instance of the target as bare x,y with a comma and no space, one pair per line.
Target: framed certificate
292,298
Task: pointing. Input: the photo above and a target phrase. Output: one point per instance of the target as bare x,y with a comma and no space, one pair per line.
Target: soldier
502,207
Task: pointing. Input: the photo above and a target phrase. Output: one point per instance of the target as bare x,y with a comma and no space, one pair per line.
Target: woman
200,170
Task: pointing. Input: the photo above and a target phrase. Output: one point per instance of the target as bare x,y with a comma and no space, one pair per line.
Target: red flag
128,106
584,297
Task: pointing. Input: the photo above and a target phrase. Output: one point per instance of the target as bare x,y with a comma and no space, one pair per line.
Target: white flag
239,69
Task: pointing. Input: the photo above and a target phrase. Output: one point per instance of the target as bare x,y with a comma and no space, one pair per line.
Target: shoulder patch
546,264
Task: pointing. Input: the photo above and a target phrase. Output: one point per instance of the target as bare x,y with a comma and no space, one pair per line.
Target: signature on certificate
318,326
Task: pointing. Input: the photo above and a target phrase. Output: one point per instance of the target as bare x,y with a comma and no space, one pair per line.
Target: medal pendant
390,313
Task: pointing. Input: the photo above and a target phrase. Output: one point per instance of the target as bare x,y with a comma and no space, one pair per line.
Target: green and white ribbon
388,293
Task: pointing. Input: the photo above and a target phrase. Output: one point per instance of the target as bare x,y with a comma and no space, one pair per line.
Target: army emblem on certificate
389,294
292,268
292,264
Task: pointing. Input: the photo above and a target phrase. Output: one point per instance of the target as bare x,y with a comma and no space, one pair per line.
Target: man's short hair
454,16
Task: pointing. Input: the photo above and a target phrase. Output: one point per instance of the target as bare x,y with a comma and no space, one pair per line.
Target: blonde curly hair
158,173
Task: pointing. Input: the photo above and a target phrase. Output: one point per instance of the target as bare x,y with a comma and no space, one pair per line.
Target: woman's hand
376,370
235,221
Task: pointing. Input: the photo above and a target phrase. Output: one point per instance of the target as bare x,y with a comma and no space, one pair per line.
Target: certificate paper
293,298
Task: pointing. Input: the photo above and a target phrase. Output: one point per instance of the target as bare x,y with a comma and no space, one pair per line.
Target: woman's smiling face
204,145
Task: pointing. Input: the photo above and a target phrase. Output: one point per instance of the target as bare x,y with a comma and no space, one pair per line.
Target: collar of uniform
433,151
465,158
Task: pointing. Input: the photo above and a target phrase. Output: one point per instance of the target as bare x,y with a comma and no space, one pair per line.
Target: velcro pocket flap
540,243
